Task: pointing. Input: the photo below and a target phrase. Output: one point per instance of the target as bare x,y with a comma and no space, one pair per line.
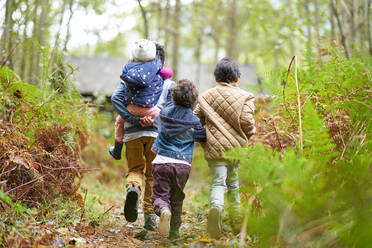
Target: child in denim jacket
179,128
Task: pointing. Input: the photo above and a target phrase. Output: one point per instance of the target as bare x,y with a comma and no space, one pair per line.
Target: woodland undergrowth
314,193
43,129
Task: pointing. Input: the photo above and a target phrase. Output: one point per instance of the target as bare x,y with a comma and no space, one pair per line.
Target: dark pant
169,181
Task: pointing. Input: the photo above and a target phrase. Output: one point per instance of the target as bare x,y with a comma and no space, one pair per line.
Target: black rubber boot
175,224
150,222
131,204
115,151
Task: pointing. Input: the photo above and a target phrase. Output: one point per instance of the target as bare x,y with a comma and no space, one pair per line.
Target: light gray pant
225,178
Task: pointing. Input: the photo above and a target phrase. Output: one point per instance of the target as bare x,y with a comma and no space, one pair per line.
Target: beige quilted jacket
226,111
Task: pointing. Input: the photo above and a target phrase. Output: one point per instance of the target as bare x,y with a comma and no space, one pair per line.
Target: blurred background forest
306,179
265,33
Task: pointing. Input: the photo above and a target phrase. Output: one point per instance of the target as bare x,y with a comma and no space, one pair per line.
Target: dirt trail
124,234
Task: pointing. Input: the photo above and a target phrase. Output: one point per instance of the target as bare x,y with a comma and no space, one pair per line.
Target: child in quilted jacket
144,79
226,111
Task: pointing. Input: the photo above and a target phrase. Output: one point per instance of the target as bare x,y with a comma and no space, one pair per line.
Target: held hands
146,121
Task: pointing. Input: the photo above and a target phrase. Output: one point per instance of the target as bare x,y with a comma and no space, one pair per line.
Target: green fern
316,141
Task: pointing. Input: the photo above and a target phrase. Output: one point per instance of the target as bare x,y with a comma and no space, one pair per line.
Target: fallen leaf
206,240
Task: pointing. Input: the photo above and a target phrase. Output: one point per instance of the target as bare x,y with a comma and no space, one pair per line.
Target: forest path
121,233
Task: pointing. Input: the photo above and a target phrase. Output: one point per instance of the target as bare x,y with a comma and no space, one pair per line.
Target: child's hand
146,121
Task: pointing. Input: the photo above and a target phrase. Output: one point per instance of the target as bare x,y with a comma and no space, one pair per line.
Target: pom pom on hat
166,73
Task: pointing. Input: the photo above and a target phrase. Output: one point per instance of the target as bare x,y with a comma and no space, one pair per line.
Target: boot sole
214,225
113,155
164,223
130,206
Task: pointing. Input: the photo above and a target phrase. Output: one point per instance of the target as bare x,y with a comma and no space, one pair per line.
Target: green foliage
54,102
316,137
317,198
19,209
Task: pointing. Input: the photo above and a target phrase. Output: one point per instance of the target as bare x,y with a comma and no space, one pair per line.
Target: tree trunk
7,26
176,38
25,46
159,22
340,27
8,23
40,34
68,31
368,21
332,21
198,58
144,18
166,18
216,48
292,39
316,3
308,26
232,35
58,34
32,47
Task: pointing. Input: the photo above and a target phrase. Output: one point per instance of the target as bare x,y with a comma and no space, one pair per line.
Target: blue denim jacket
179,128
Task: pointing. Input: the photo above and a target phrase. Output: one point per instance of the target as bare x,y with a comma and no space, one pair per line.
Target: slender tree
368,26
176,38
68,25
144,18
340,27
233,34
167,34
8,24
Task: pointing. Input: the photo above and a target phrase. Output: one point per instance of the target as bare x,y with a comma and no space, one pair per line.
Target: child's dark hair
185,93
226,71
160,52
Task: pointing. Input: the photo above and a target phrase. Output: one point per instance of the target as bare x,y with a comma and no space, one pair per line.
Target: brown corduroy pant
139,157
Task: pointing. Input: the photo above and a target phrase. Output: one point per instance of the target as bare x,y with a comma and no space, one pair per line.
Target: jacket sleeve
247,118
199,133
118,101
199,113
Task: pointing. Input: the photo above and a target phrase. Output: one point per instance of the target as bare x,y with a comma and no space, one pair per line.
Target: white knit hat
144,50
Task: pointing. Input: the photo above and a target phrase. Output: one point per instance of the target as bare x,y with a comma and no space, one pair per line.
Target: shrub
317,197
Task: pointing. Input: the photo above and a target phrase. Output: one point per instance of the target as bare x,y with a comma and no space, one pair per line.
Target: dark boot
115,151
150,222
131,204
175,224
214,223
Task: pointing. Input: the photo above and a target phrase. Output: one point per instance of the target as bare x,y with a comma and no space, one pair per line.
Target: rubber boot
175,224
150,222
131,204
115,151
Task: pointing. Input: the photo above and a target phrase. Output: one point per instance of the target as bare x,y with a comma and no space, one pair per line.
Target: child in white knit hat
140,94
144,77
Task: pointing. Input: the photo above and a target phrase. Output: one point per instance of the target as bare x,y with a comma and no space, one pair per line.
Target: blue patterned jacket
143,82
